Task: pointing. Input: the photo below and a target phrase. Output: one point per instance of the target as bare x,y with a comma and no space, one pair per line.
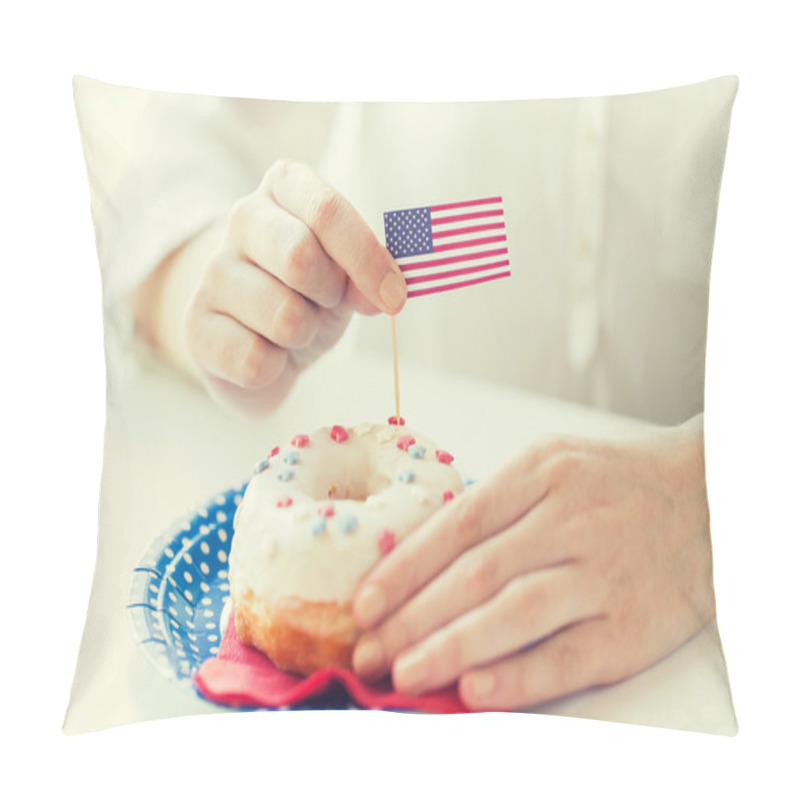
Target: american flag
449,246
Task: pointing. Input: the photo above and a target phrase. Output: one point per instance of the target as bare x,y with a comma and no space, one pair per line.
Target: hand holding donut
272,287
578,564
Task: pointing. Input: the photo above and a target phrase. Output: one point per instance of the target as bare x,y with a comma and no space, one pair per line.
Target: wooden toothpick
396,377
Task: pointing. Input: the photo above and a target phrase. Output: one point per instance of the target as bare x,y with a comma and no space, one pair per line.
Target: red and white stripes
469,247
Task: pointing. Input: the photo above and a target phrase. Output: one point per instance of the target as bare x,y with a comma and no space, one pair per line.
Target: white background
53,384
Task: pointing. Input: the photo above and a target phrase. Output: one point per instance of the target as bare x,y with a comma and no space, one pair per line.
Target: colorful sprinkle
384,434
286,475
348,523
326,510
285,501
301,440
404,442
447,496
339,434
318,526
444,457
274,452
292,457
406,476
362,428
261,466
417,451
394,421
386,541
469,482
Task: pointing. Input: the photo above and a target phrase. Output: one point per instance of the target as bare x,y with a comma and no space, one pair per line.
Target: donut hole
353,476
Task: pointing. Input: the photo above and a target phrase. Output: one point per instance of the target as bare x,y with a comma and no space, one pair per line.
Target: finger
528,609
355,299
262,303
573,659
343,233
472,517
283,245
226,349
530,544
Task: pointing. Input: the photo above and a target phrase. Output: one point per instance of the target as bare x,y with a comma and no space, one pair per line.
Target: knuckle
325,208
563,465
213,278
370,251
564,657
289,320
396,635
252,363
237,218
570,670
553,447
478,575
301,253
525,601
468,518
452,655
277,171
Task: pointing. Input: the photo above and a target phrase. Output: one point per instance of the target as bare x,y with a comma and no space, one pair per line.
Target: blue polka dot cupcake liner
179,593
180,587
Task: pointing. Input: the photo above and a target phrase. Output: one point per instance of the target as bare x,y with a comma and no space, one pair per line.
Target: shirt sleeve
161,167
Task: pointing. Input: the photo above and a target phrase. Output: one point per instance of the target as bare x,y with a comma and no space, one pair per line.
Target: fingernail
368,656
480,686
369,606
393,292
410,671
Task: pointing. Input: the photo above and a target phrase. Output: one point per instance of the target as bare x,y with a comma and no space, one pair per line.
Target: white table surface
168,449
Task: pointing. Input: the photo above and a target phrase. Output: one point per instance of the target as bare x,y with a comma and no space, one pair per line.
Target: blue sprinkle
261,466
348,523
292,457
318,526
416,451
469,481
286,475
406,476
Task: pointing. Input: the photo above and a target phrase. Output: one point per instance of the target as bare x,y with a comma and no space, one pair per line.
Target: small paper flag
449,246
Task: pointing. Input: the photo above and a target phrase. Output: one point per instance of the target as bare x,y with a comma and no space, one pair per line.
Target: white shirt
610,206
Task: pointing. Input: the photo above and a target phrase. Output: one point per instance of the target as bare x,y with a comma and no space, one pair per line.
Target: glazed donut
315,517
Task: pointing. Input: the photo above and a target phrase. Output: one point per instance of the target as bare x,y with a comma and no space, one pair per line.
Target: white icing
385,434
275,554
420,493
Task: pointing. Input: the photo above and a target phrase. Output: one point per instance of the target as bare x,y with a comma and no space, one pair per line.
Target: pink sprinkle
404,442
339,434
301,440
274,452
386,541
447,496
393,421
444,457
326,510
284,501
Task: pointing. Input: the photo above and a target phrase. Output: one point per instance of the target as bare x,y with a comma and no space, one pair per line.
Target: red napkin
243,676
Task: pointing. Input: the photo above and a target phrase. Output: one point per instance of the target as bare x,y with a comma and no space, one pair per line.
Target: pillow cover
610,207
